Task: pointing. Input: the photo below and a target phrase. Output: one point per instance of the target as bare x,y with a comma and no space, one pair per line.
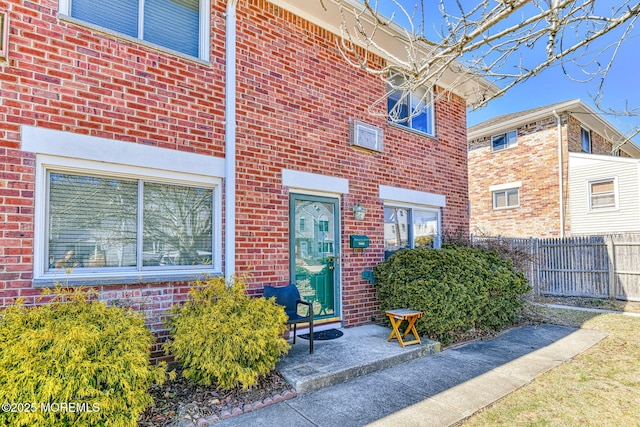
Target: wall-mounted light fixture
359,211
4,36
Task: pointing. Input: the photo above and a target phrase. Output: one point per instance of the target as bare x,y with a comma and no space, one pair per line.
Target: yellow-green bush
74,363
221,335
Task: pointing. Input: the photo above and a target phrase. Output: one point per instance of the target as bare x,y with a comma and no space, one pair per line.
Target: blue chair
289,297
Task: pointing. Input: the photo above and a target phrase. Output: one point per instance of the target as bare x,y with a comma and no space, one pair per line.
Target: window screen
174,24
603,194
108,223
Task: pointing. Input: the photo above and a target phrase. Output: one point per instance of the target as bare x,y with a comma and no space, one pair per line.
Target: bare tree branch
504,41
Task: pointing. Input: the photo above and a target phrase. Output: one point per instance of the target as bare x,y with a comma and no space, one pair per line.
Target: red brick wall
296,96
295,99
599,145
65,77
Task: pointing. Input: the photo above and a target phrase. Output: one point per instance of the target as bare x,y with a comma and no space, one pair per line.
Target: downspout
230,142
560,175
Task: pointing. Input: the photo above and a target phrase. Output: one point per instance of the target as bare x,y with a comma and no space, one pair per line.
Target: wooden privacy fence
588,266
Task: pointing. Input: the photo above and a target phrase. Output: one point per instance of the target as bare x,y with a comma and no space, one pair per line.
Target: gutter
560,177
230,142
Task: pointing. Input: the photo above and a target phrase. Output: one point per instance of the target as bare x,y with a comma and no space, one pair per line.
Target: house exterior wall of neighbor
599,144
625,174
78,99
531,166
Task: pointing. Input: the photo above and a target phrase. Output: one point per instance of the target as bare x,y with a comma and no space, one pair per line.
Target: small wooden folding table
396,317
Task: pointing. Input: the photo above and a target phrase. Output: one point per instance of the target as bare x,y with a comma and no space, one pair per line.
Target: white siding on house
586,168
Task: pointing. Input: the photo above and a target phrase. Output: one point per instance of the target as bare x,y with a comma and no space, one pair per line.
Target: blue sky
551,85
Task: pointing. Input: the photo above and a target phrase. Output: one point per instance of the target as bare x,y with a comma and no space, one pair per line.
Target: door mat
329,334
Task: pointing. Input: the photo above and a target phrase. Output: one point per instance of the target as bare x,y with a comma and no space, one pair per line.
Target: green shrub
457,288
222,335
77,362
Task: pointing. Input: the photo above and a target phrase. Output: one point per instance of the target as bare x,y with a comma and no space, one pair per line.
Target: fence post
611,252
535,267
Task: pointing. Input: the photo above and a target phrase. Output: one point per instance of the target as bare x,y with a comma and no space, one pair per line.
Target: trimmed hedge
458,289
221,335
74,363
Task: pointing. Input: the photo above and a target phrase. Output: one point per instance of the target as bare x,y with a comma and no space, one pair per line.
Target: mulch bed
182,403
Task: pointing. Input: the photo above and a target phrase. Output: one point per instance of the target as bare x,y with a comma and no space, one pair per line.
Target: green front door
314,246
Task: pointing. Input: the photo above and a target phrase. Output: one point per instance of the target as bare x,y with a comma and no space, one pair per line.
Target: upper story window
407,227
179,25
413,110
585,140
602,194
505,199
504,141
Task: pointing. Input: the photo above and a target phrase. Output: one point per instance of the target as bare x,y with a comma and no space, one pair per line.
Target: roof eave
521,120
328,15
592,119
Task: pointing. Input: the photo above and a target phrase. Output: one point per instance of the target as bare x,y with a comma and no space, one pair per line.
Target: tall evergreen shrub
457,288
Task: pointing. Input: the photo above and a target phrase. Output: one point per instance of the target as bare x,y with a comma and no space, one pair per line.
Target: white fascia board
391,38
584,159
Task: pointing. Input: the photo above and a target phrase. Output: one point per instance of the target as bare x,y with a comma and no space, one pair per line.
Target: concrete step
360,351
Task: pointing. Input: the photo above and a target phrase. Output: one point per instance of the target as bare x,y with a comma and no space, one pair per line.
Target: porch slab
359,351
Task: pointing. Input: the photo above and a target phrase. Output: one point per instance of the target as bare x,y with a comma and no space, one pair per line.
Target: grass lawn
600,387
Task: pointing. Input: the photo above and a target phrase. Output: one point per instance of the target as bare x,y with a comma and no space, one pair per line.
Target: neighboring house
552,171
143,150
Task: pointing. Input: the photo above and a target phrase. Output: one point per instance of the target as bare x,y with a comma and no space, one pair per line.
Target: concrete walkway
439,389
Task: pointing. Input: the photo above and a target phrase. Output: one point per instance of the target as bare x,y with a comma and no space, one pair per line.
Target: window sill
506,208
504,149
63,279
603,210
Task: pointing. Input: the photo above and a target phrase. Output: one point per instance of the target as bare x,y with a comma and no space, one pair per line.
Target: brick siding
296,97
534,163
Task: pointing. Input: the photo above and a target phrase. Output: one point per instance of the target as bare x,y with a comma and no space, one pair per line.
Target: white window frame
4,36
590,206
585,131
429,108
506,194
505,188
396,197
437,238
204,47
120,160
510,141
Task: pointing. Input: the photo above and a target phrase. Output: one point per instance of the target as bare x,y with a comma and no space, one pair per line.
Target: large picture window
407,227
103,223
179,25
